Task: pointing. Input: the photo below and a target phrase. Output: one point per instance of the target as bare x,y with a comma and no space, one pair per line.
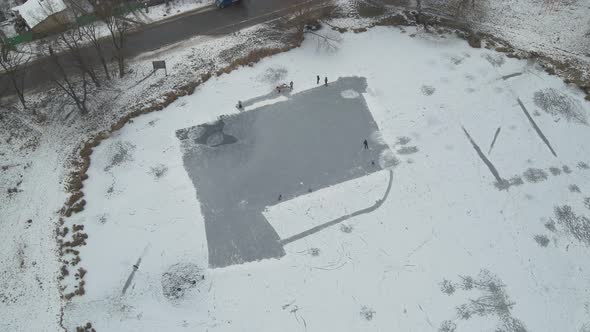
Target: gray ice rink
242,163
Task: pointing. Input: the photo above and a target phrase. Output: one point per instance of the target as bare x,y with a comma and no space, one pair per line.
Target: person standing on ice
326,81
318,77
366,144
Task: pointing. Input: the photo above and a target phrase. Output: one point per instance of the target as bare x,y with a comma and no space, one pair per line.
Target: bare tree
73,40
113,15
62,80
13,62
90,31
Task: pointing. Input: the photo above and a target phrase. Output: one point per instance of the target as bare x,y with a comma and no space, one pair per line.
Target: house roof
36,11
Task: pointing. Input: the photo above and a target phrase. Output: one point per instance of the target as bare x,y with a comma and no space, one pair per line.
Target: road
150,37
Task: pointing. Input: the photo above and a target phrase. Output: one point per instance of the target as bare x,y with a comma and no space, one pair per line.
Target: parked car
225,3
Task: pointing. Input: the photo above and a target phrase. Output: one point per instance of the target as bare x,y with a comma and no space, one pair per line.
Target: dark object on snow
366,144
291,85
312,26
280,198
326,81
318,82
240,106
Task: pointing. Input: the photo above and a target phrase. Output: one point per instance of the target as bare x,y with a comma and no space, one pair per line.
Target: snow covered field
485,229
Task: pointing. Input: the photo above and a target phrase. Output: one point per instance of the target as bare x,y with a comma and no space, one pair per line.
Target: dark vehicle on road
225,3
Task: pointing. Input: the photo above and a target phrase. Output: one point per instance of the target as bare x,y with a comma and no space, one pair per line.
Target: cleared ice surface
245,162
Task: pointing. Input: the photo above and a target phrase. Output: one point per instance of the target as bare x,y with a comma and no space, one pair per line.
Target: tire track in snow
494,140
483,157
537,129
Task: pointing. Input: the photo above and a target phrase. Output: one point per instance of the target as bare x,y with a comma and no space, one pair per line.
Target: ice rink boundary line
343,218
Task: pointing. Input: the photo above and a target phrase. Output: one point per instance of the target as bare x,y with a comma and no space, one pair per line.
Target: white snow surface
443,219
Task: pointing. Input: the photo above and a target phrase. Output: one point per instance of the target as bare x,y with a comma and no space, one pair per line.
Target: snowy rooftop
36,11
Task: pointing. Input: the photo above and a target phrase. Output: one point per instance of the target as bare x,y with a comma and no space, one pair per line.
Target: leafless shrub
346,228
575,225
159,171
447,287
428,90
273,75
555,171
403,140
447,326
492,302
587,202
367,313
557,103
535,175
122,152
550,225
314,252
583,165
180,279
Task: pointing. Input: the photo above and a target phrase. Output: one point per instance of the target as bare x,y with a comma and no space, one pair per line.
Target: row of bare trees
79,55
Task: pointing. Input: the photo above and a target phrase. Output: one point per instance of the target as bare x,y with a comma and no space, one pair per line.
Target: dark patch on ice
214,136
587,202
566,169
583,165
574,188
